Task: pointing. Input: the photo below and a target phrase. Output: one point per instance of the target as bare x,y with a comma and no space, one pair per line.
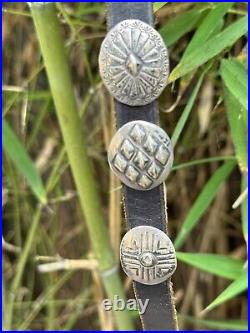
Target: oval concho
134,62
147,255
141,155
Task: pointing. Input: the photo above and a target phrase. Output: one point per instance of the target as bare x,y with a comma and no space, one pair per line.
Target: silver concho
141,155
147,255
134,62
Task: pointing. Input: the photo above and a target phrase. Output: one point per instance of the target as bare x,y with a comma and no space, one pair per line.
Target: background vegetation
204,109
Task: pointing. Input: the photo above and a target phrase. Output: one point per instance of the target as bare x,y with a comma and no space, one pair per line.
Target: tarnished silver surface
134,62
147,255
141,155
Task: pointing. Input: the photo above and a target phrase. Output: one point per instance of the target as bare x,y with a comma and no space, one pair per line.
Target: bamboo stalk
56,64
21,264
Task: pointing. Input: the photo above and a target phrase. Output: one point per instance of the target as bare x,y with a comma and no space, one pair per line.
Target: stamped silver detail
147,255
141,155
134,62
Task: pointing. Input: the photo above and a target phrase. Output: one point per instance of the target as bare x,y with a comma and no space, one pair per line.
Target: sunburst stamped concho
147,255
134,63
141,155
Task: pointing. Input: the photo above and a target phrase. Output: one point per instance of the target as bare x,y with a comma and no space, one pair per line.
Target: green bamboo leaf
230,324
216,264
178,26
236,116
208,26
186,112
234,75
22,161
203,201
234,289
203,161
158,5
210,48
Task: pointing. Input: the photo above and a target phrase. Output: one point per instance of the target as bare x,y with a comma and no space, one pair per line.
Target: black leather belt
134,66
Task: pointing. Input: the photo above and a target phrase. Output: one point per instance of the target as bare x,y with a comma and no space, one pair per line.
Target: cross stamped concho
141,155
147,255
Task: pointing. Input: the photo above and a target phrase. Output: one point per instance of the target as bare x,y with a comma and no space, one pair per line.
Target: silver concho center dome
147,255
134,63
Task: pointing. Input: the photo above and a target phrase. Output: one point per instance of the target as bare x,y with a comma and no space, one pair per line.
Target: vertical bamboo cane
55,60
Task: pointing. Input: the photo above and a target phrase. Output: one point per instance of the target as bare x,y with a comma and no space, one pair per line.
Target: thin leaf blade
238,127
216,264
210,48
203,201
178,26
186,112
158,5
208,26
233,290
234,75
231,324
22,161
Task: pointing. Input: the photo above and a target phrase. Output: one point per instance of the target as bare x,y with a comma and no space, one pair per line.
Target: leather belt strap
146,208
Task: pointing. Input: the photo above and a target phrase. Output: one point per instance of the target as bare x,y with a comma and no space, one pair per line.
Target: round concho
147,255
141,155
134,62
